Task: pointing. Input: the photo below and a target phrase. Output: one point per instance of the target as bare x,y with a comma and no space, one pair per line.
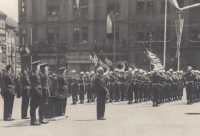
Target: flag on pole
27,50
179,29
175,3
0,50
77,3
155,61
94,57
109,25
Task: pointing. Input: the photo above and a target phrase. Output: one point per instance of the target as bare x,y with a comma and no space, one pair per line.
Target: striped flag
175,3
0,50
155,61
77,3
179,29
94,57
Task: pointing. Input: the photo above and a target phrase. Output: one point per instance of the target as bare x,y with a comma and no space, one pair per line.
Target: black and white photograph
99,67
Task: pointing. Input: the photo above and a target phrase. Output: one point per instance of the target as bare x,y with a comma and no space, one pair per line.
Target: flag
109,25
155,61
77,3
0,50
106,60
27,50
175,3
179,29
94,57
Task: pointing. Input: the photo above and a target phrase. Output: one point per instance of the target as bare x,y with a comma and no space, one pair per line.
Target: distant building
62,32
2,40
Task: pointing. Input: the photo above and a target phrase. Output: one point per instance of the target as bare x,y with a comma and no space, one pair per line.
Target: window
81,7
52,35
23,31
140,36
52,7
140,5
23,8
80,35
150,7
84,34
113,6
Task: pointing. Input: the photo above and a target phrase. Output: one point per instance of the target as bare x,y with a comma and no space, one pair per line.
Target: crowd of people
135,86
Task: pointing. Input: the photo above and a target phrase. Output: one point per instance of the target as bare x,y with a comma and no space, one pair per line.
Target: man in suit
101,90
26,85
8,93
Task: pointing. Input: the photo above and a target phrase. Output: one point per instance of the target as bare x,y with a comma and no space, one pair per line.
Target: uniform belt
187,82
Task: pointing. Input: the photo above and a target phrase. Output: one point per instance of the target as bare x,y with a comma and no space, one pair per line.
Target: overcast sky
10,8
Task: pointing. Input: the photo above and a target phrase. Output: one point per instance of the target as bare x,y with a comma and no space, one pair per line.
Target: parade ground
170,119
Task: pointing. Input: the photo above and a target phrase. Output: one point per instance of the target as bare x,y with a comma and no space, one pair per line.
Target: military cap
145,74
136,70
43,65
8,67
174,72
140,71
170,70
82,73
35,63
155,70
130,69
73,71
189,68
87,72
62,68
92,72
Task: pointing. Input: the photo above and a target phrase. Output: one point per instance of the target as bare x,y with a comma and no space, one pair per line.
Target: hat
82,73
130,69
35,63
73,71
62,68
189,68
87,72
54,74
136,70
8,67
133,72
148,73
145,74
92,72
174,72
43,65
155,70
170,70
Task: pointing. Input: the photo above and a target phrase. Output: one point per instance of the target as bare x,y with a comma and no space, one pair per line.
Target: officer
155,78
8,93
45,90
189,76
169,82
81,87
92,77
35,92
88,87
112,86
26,86
74,87
101,90
136,86
130,85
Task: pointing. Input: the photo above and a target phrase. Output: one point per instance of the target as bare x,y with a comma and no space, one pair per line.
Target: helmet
74,71
87,72
82,73
92,72
189,68
171,70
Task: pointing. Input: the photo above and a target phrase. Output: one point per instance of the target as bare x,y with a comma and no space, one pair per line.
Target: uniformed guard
74,86
45,90
136,86
88,86
92,77
63,87
2,81
35,92
81,87
26,86
130,85
189,76
8,93
101,90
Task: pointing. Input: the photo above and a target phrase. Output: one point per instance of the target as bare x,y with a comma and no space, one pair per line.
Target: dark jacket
9,85
100,85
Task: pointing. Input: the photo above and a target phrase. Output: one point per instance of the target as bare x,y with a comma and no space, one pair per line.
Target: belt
156,84
187,82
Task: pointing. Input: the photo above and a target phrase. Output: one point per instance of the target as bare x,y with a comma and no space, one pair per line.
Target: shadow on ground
18,124
192,113
87,120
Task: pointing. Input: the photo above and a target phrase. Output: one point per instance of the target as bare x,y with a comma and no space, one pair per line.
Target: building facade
2,40
62,32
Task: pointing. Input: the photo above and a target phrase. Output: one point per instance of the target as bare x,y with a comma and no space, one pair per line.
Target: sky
10,8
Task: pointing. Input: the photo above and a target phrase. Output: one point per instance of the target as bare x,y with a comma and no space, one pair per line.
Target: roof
2,14
11,22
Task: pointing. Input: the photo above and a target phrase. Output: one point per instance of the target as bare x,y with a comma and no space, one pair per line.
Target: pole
165,35
114,42
150,62
31,45
179,49
56,54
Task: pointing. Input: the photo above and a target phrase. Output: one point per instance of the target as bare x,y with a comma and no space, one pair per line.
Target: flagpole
179,53
31,45
165,34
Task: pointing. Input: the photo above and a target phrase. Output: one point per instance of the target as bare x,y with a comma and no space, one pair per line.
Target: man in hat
26,86
189,77
63,86
81,87
36,91
44,73
100,85
8,93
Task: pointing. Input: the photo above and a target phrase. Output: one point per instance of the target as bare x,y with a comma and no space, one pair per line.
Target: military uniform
26,86
88,88
8,94
93,88
112,87
81,88
74,88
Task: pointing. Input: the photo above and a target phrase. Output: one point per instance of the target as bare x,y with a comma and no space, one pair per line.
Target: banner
179,29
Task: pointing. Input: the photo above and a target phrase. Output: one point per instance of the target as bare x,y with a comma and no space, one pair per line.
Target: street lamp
115,16
150,38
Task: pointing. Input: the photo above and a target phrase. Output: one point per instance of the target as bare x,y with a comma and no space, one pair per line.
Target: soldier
101,90
155,78
53,84
8,93
2,82
136,86
189,76
146,86
123,86
130,85
81,87
169,82
62,86
26,86
117,87
88,87
35,92
45,90
112,86
92,77
74,86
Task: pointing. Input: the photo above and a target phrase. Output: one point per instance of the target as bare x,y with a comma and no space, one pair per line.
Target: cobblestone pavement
170,119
